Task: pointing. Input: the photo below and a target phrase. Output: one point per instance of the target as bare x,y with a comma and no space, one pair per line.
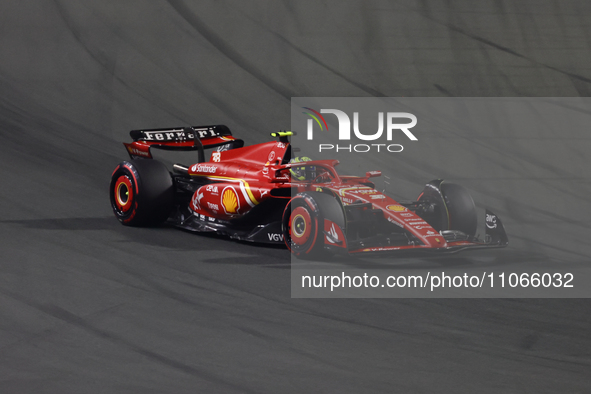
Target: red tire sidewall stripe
132,172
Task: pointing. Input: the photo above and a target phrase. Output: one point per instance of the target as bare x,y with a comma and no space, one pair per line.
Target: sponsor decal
365,191
333,235
211,188
396,208
281,145
179,134
417,223
265,170
244,188
213,207
223,148
377,196
271,156
196,199
380,249
203,133
204,168
172,135
275,237
264,192
395,222
202,217
216,156
407,214
354,189
491,221
137,152
230,201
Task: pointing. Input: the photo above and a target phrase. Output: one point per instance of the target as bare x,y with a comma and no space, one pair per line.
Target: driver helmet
299,173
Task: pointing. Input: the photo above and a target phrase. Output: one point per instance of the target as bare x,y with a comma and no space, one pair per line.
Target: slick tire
142,192
460,208
303,223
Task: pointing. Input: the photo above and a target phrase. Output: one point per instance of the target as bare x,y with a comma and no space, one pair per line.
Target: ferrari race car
259,193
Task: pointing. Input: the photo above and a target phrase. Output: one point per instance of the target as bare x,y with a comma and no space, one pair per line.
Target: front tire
301,230
450,207
141,192
460,207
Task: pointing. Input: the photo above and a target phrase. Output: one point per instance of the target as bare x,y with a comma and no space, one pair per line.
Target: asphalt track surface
90,306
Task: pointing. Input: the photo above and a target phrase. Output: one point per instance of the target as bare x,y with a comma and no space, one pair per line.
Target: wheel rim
300,224
123,193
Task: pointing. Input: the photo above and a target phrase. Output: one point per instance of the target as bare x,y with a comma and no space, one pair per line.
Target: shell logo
230,200
396,208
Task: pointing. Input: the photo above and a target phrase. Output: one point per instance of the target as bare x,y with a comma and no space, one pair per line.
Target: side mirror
373,174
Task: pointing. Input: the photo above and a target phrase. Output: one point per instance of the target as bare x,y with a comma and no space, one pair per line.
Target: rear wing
196,138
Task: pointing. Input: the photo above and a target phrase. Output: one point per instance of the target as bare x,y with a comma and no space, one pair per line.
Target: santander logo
204,168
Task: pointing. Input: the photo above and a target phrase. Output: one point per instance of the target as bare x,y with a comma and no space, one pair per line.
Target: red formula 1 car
257,193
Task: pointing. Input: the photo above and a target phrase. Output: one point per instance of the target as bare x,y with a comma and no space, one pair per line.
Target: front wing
495,237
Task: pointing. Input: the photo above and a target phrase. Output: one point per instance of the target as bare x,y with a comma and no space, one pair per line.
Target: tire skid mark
499,47
81,323
193,20
317,61
70,24
196,83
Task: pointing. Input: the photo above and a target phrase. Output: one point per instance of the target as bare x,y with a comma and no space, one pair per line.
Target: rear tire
142,192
